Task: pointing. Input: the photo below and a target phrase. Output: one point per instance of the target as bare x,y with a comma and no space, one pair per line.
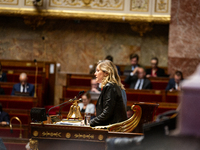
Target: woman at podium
110,107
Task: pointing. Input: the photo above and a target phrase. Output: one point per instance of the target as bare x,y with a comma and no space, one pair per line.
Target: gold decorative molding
113,17
161,6
9,2
34,22
33,144
88,4
100,137
68,135
141,28
35,133
84,136
56,134
139,5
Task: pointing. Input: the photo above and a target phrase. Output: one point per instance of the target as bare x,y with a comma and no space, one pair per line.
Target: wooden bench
14,67
8,86
18,102
158,83
15,143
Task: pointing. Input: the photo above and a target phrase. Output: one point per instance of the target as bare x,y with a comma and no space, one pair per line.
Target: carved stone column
141,27
34,22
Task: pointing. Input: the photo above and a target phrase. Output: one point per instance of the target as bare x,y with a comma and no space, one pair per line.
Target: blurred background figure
155,71
95,86
134,59
174,83
129,112
23,86
2,91
109,57
3,77
137,79
86,106
4,117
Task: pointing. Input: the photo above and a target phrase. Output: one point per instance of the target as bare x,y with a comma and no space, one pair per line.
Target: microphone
71,100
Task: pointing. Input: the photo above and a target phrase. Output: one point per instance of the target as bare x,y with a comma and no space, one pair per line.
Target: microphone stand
36,73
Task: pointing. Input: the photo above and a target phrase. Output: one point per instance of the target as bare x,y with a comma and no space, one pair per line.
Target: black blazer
110,107
171,84
160,72
4,117
3,77
30,88
132,80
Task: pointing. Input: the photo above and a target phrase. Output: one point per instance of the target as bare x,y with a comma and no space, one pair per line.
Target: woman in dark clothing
110,106
155,71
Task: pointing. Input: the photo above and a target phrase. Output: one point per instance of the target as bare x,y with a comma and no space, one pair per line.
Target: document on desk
71,123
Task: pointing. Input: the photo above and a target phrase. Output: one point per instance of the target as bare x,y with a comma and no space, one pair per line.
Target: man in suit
134,58
23,86
174,83
137,79
155,71
4,117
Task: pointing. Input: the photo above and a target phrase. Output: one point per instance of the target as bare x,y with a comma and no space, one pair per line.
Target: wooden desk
18,102
53,137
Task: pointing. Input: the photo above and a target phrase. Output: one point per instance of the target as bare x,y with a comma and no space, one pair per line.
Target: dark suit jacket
160,72
3,78
171,84
132,80
4,117
30,88
2,91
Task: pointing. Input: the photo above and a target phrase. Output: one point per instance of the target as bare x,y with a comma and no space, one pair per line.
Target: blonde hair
108,67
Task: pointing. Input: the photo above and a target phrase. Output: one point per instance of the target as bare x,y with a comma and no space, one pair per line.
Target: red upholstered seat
5,132
15,146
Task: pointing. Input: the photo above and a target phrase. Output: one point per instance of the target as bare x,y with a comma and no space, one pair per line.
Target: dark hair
179,73
155,58
134,56
109,57
128,108
88,95
1,107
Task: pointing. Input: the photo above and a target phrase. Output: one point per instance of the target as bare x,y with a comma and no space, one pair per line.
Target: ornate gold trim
35,133
113,17
84,136
156,1
125,126
68,135
139,10
100,137
33,144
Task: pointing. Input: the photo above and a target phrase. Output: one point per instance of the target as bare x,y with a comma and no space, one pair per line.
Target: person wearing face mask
174,83
23,86
85,106
110,107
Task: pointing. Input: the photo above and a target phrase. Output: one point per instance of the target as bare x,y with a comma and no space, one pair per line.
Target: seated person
2,91
85,106
109,57
134,58
94,86
129,112
23,86
174,83
137,79
4,117
3,77
155,71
